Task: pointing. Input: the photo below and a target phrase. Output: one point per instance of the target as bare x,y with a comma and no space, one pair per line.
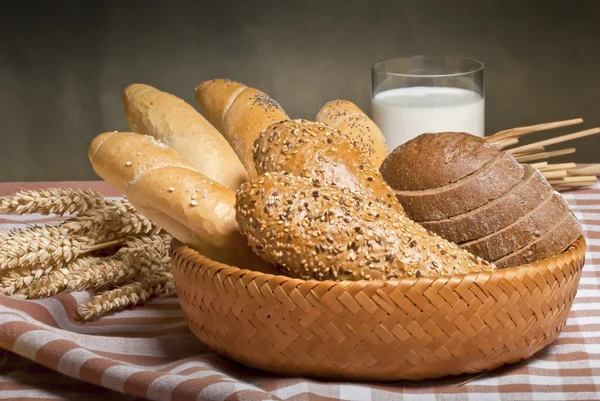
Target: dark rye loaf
553,242
440,159
475,190
524,231
497,214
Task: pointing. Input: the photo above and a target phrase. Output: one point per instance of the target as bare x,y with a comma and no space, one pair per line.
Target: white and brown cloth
149,353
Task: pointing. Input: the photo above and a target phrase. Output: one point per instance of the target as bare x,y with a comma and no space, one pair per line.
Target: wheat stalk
137,256
58,201
157,283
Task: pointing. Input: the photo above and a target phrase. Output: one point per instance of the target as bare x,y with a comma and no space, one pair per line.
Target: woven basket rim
180,248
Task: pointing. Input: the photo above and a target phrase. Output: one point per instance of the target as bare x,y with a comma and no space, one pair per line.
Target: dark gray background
63,64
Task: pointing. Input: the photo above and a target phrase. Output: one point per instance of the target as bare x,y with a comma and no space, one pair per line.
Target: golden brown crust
434,160
244,114
350,120
152,112
319,231
315,150
169,191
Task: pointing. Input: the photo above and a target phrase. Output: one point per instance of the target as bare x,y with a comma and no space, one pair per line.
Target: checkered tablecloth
148,352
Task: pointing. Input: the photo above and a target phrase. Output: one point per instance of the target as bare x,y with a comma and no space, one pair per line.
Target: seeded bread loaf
350,120
477,189
497,214
471,193
177,124
314,150
311,230
169,191
240,113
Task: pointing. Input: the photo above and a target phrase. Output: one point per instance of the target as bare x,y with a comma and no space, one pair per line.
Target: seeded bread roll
475,190
315,150
311,230
522,232
170,192
350,120
434,160
497,214
240,113
177,124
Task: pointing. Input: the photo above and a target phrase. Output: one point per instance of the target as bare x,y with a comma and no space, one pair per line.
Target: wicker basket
410,329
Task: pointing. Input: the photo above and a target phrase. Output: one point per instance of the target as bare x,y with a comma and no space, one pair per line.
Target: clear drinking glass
419,94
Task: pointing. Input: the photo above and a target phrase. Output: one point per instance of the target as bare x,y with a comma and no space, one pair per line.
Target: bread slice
462,196
434,160
497,214
553,242
522,232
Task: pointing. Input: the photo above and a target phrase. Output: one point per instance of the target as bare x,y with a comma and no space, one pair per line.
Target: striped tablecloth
148,352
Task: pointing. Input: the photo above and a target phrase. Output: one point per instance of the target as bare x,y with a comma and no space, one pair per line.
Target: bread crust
243,114
350,120
169,191
434,160
530,192
522,232
475,190
314,150
319,231
159,114
553,242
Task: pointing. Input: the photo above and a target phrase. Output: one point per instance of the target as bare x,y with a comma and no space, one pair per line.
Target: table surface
149,353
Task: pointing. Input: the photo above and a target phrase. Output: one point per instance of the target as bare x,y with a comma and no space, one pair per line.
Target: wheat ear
59,201
160,282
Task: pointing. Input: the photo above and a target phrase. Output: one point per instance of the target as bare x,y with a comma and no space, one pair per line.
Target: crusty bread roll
318,231
349,119
169,191
471,193
315,150
240,113
176,123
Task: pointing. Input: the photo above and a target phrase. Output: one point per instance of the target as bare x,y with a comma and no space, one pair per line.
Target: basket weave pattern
410,329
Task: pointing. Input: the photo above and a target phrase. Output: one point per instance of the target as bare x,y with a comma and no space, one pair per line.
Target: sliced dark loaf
475,190
434,160
497,214
524,231
553,242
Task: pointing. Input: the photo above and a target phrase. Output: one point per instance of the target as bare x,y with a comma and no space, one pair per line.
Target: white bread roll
240,113
349,119
176,123
169,191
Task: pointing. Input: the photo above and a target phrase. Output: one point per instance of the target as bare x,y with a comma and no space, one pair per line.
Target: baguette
316,231
169,119
350,120
240,113
314,150
169,191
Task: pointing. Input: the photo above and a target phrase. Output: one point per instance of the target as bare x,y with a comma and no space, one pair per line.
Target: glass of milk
419,94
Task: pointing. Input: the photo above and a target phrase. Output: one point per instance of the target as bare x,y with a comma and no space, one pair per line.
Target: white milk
405,113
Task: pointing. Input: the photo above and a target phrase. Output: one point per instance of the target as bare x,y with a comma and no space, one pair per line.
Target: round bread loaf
314,150
469,192
311,230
